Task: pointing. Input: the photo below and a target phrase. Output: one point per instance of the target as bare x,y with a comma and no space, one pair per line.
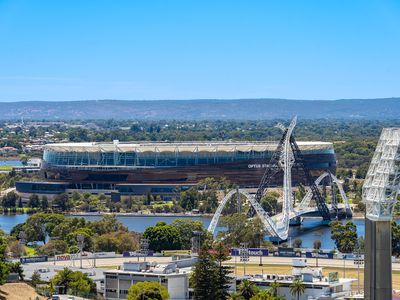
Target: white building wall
178,287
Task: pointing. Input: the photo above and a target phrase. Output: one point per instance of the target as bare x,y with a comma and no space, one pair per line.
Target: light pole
144,247
261,254
54,249
359,262
244,255
94,252
196,241
358,272
379,193
80,238
236,264
344,265
22,241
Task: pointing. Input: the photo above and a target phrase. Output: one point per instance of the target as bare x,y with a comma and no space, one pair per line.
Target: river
308,232
13,163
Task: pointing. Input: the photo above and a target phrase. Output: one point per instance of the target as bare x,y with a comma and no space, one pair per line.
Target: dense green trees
59,233
210,277
222,277
36,278
4,267
270,203
395,238
53,247
44,203
177,235
63,202
72,282
4,271
203,196
163,237
186,230
345,236
355,154
240,229
34,201
147,290
10,200
118,241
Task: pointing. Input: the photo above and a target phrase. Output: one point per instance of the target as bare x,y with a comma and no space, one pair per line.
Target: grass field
30,251
5,168
287,270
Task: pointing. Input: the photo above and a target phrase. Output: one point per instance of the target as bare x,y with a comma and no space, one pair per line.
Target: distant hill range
239,109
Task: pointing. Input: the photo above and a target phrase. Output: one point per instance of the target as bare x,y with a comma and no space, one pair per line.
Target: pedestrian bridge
287,155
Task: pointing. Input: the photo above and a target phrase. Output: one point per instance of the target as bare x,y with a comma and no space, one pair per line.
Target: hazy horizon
205,99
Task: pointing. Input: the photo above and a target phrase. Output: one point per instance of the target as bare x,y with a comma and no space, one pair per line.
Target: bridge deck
309,211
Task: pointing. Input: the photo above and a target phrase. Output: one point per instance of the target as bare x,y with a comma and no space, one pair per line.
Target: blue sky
72,50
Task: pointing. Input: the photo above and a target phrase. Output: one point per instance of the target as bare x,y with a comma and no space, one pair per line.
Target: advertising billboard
63,257
323,255
251,251
176,252
287,252
33,259
136,253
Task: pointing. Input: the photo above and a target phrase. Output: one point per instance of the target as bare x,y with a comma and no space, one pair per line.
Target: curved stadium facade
126,167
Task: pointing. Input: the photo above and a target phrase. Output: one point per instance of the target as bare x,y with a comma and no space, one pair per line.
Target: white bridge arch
278,225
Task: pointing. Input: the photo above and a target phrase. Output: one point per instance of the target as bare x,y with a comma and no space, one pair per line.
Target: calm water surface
311,229
14,163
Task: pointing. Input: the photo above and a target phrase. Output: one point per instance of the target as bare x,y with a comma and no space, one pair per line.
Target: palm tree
62,279
274,287
247,289
297,288
263,295
235,296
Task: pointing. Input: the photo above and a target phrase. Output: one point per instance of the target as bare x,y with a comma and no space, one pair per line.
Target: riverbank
310,230
10,158
356,216
137,214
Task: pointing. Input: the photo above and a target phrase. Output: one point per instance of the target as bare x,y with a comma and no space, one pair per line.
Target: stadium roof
180,146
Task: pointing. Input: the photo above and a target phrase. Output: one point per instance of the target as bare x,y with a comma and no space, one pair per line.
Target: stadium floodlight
382,183
379,193
80,239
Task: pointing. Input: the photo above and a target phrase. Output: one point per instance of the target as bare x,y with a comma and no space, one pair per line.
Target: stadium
157,167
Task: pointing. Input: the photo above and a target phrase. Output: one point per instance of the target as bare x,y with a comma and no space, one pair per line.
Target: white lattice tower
382,183
286,163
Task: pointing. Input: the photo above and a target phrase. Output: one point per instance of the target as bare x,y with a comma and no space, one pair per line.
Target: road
117,261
